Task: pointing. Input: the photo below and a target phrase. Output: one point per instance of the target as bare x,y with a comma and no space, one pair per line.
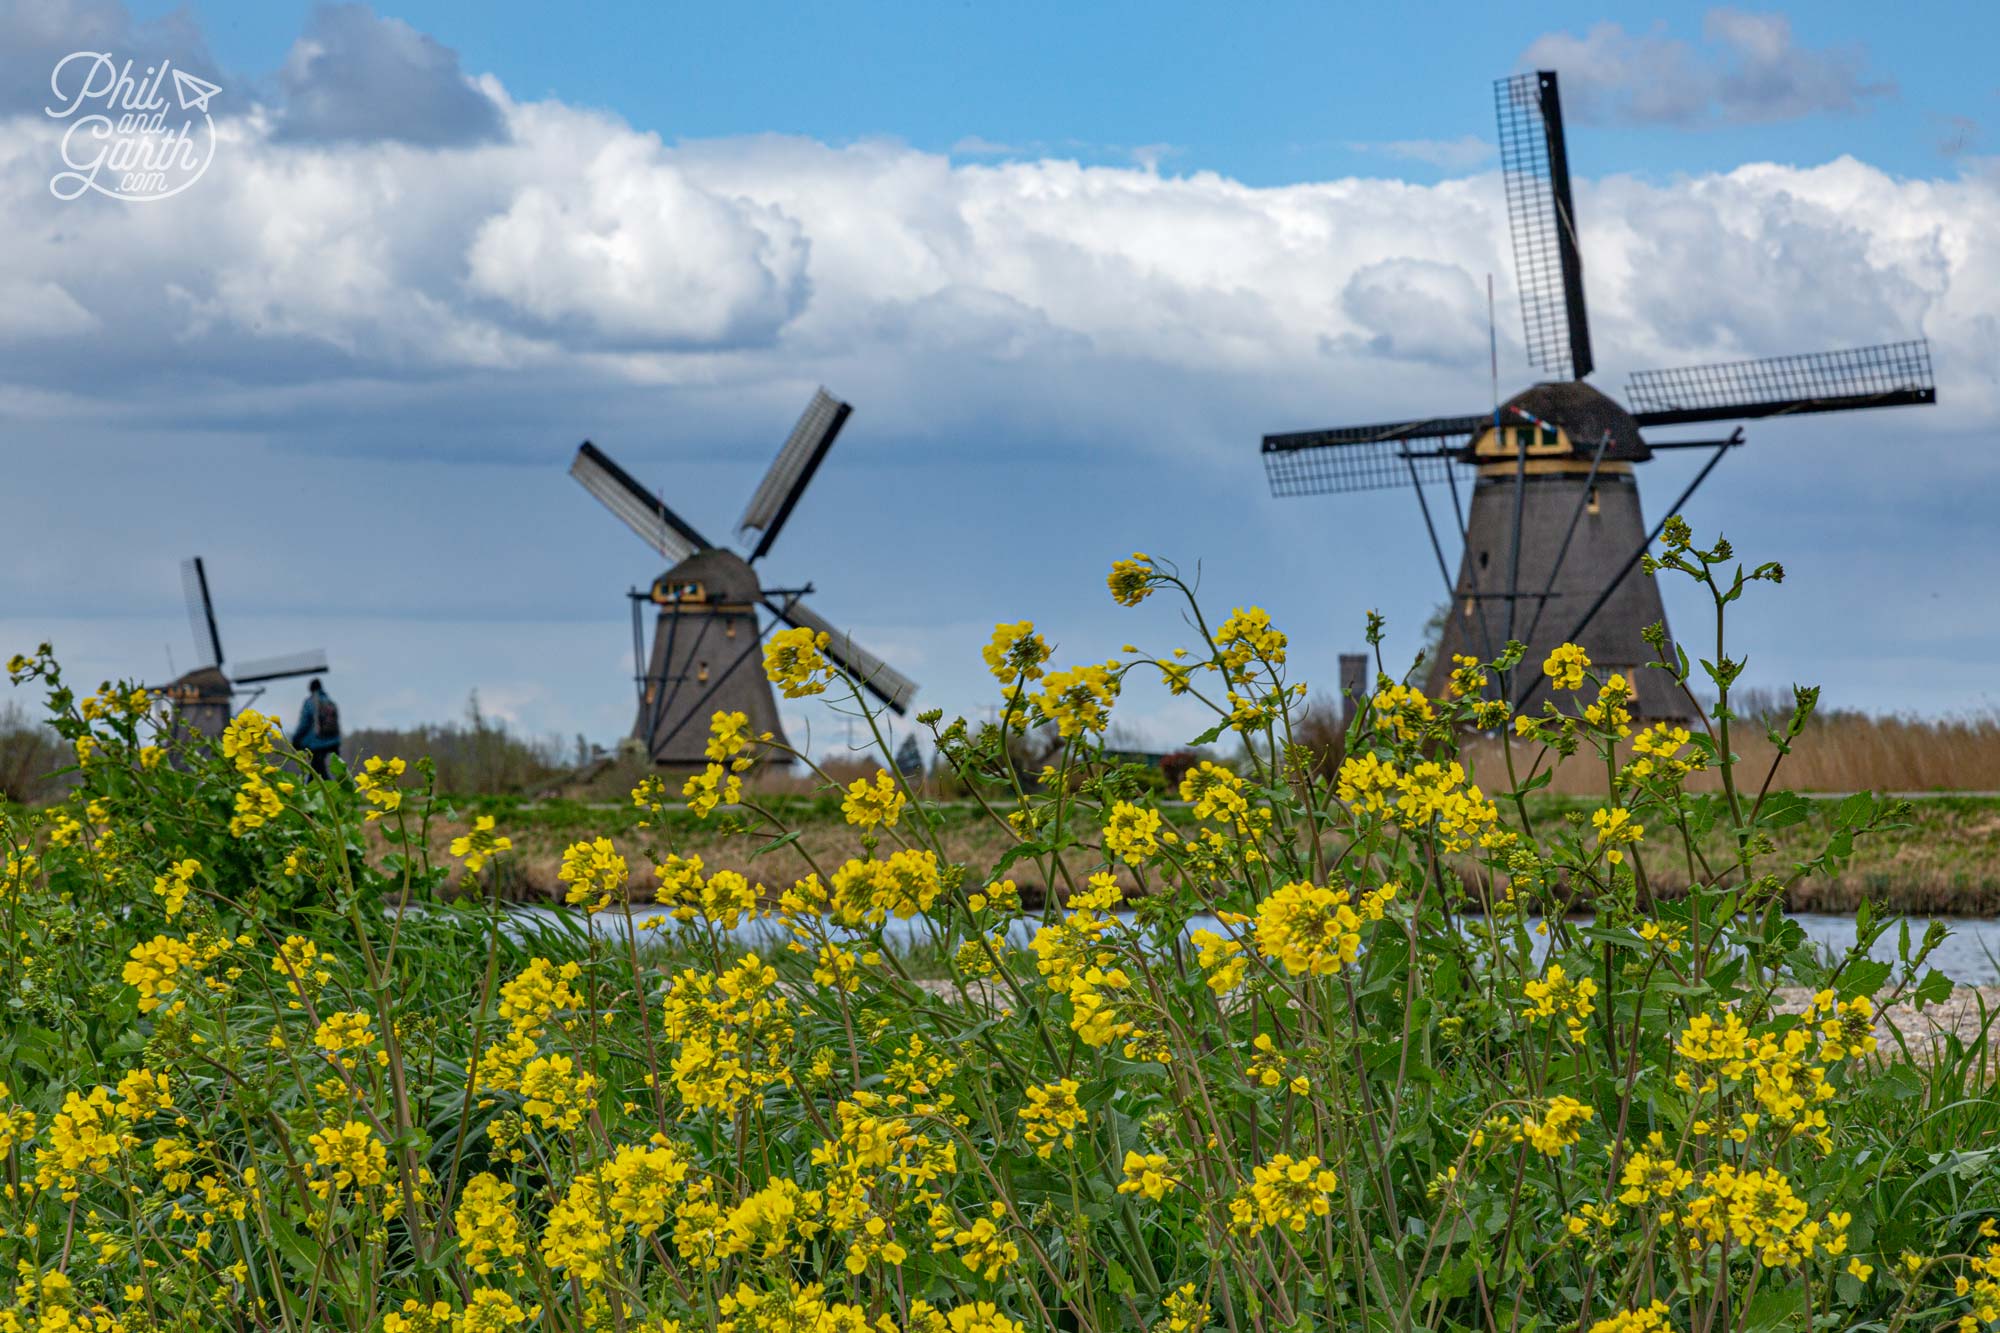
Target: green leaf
1863,978
1935,988
1015,853
1782,809
775,843
1899,1081
1776,1306
1120,1281
1452,1281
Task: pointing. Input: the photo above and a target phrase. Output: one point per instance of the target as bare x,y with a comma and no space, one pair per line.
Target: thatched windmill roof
1586,416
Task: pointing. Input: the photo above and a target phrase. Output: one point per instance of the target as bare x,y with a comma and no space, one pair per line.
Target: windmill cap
723,574
1585,415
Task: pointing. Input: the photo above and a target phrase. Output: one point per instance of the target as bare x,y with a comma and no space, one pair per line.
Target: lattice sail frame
1885,375
870,672
792,470
1367,458
311,662
1534,169
633,505
201,613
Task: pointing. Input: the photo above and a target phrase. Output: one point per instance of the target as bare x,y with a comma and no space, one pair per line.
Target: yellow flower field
262,1072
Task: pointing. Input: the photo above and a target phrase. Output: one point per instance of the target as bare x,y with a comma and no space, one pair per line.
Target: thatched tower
707,658
1580,521
201,701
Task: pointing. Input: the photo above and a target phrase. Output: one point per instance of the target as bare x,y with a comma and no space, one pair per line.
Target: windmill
204,699
1553,531
705,654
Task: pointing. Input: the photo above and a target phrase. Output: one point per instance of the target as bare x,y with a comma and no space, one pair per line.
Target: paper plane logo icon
193,92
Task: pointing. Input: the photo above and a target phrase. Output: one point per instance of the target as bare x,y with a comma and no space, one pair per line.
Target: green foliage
1324,1047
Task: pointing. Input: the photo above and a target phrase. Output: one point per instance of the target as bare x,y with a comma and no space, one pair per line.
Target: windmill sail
648,516
201,612
1534,166
880,679
1888,375
1365,458
793,469
308,663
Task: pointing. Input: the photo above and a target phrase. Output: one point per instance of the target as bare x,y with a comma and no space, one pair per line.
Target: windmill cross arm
1749,411
1541,215
1887,375
201,612
1429,428
792,470
870,672
633,505
311,662
1367,458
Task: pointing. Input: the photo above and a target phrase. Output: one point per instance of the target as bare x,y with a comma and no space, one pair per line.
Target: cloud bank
371,271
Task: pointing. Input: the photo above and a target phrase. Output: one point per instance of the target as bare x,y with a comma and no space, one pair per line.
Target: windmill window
729,630
1593,500
1482,559
701,672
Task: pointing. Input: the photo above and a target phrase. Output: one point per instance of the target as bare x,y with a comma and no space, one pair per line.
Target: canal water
1970,954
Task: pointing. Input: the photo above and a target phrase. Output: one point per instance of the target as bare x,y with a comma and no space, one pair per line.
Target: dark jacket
306,735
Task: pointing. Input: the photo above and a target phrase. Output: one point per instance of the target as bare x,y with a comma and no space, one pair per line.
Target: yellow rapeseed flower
1016,652
867,804
1565,667
1130,581
1052,1115
795,661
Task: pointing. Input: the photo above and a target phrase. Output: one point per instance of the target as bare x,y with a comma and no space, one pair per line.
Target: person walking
318,732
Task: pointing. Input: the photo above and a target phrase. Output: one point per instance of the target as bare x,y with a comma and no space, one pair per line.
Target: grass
1842,752
1944,861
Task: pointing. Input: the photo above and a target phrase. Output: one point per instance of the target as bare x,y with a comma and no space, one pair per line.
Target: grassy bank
1943,861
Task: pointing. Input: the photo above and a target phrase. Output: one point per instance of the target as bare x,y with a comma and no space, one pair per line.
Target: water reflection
1970,955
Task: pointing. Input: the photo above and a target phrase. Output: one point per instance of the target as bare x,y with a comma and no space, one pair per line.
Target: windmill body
704,659
1580,517
203,701
1543,489
711,610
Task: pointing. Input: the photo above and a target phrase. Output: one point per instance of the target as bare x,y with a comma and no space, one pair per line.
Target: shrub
1301,1076
480,756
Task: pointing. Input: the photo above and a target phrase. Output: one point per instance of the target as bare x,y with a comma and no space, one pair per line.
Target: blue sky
1280,93
1068,266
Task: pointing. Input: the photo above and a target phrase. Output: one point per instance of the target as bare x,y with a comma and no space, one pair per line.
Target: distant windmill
204,698
705,656
1553,533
